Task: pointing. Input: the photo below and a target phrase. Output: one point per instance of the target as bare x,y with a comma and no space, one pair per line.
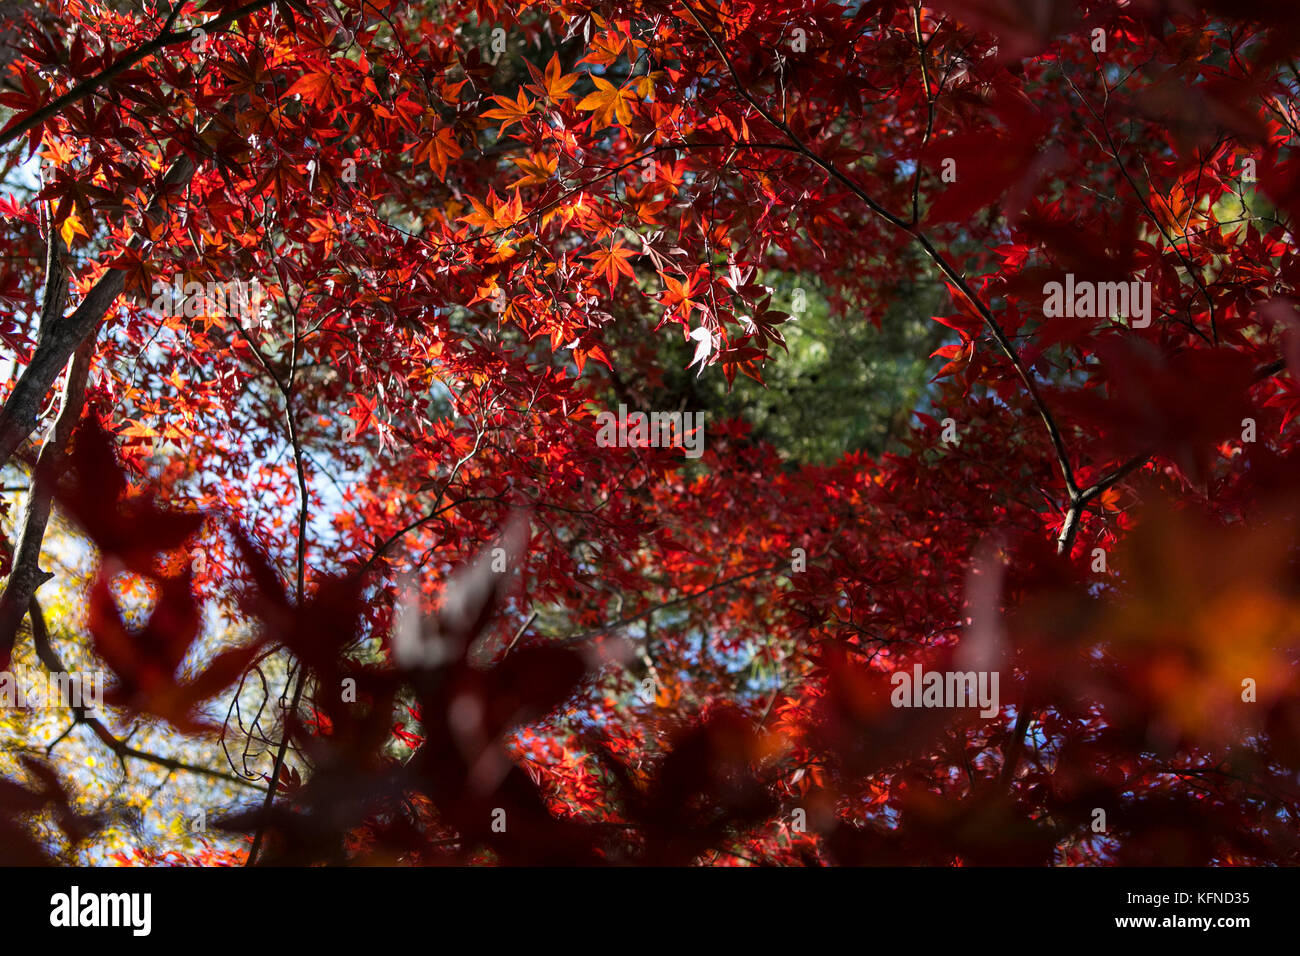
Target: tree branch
61,337
301,580
46,654
26,575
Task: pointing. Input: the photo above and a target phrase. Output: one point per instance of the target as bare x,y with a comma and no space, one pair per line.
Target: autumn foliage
464,231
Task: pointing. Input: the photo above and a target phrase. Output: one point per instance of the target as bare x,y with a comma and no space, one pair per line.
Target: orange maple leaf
441,150
510,111
608,102
71,227
678,295
539,168
645,204
557,85
613,261
604,48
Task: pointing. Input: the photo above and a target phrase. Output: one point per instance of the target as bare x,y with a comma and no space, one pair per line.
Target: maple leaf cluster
482,635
